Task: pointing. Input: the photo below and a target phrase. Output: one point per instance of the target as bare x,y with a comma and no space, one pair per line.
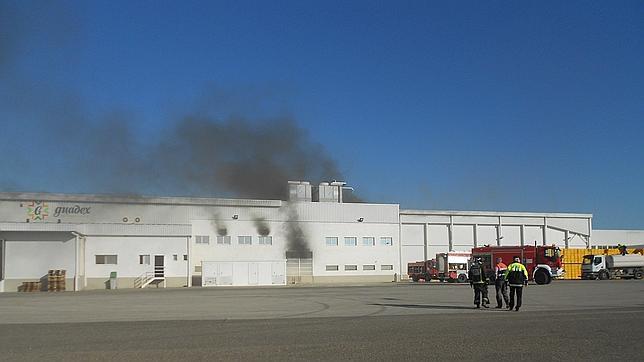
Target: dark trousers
501,293
519,291
480,290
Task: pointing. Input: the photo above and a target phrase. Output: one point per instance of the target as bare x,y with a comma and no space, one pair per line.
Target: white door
159,266
278,273
253,273
225,274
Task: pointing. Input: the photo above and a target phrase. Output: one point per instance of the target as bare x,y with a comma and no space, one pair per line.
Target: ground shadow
423,306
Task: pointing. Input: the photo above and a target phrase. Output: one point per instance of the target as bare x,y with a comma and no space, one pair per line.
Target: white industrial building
312,238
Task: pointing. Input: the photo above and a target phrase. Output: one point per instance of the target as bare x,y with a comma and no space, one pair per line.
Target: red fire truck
422,270
543,262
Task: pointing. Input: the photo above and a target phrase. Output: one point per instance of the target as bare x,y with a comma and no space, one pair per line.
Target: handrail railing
148,277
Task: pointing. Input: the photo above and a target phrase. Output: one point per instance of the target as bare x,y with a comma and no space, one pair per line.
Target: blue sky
521,106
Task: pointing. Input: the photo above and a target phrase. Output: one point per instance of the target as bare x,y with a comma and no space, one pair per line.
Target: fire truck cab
542,262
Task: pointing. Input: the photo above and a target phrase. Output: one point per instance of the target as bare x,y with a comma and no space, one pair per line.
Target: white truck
612,266
453,266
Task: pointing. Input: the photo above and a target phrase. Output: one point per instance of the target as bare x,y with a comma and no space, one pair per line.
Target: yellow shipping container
573,258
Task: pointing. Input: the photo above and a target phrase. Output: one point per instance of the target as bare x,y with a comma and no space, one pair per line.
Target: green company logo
37,210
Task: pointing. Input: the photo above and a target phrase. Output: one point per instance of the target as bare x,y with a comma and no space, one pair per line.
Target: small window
598,260
350,241
350,267
185,257
197,268
106,259
265,240
331,241
386,267
202,239
368,241
386,241
369,267
245,240
223,240
332,268
175,257
144,259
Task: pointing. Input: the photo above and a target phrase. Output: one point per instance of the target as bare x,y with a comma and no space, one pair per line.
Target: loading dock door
219,273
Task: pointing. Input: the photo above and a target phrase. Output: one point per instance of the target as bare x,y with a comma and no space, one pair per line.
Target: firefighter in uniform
517,277
500,284
479,282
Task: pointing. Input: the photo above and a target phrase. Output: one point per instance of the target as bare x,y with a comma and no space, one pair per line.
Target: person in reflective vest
517,277
500,284
478,281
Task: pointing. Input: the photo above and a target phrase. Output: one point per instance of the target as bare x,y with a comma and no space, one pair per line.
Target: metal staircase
155,277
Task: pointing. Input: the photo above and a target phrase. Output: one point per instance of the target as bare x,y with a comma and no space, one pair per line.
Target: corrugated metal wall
573,258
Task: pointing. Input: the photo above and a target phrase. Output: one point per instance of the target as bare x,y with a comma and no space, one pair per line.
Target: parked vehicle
542,262
422,270
630,266
453,266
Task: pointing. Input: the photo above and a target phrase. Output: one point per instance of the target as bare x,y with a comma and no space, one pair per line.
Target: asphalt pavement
567,320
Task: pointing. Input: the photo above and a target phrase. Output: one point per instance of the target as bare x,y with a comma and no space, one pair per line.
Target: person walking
500,284
622,249
478,281
517,277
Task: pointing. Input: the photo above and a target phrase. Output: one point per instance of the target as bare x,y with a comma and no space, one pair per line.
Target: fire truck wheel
414,278
541,277
462,278
638,274
603,275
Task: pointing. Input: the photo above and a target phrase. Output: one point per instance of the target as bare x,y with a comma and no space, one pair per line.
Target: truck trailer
605,267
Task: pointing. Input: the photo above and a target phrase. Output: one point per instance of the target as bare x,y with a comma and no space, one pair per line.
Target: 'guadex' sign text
72,210
41,210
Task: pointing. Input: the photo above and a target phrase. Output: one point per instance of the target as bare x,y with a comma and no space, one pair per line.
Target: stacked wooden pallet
56,280
29,287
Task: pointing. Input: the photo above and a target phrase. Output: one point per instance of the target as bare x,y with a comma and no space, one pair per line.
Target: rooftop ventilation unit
299,191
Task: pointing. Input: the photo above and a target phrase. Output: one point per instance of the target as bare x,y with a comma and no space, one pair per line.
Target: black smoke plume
224,145
297,245
262,226
219,224
245,158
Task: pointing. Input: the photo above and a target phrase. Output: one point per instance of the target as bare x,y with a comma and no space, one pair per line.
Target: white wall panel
438,235
128,250
614,237
435,249
555,237
572,224
486,235
33,259
576,241
511,235
463,235
412,234
414,219
412,254
515,220
476,220
352,255
532,234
